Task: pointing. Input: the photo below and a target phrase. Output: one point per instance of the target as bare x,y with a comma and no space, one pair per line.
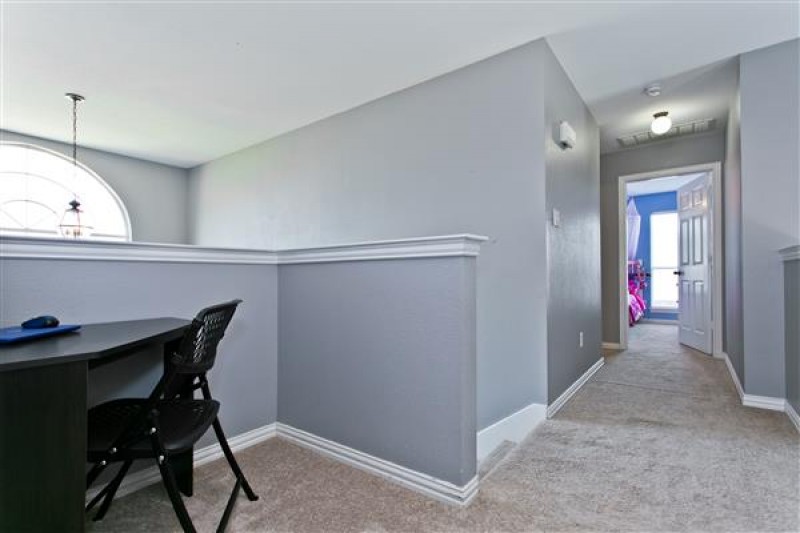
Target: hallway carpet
656,441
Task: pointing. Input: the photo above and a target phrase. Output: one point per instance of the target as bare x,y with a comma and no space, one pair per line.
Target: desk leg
43,448
182,464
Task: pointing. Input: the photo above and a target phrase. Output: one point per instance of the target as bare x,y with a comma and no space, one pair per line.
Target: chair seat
182,424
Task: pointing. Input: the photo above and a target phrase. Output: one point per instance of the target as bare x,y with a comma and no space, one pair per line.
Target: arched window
36,187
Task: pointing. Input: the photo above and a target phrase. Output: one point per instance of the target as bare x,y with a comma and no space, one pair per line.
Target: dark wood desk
43,419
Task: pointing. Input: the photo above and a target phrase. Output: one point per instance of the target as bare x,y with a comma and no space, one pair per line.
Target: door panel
694,307
697,240
683,303
698,299
684,242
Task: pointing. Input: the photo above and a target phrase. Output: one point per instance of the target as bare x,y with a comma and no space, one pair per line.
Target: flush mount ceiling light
661,123
653,90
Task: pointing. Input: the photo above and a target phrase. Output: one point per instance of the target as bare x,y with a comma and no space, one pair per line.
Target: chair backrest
198,349
195,356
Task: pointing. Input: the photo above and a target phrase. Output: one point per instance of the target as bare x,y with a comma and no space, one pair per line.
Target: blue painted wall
648,204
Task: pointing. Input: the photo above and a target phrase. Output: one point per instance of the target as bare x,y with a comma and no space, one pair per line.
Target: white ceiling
187,82
657,185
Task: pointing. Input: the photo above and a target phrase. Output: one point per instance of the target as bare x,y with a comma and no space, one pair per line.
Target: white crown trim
792,253
462,245
20,248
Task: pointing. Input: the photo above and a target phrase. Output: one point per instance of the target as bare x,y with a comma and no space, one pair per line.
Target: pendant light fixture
661,123
73,224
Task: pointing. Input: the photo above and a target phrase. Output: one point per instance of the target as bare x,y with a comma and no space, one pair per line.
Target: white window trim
100,180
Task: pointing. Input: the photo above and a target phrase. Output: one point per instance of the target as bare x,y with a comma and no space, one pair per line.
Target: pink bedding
636,304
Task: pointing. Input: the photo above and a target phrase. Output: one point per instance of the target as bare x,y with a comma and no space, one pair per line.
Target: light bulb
661,123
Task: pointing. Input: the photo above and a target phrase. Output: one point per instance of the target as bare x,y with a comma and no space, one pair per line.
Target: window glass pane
32,215
664,239
664,260
36,186
664,289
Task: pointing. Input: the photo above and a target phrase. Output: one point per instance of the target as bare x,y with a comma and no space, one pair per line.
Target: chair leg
175,496
111,490
99,496
171,484
104,490
223,523
95,471
223,442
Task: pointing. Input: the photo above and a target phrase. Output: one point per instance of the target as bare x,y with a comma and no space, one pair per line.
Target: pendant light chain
72,223
74,131
75,99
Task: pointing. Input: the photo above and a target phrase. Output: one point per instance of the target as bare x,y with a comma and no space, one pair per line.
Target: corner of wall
192,178
770,219
572,187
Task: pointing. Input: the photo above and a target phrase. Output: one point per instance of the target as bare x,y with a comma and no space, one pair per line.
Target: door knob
678,272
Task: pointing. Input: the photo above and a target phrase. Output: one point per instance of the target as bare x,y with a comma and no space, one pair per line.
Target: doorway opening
670,235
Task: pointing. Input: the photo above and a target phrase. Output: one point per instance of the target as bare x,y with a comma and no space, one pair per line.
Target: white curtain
634,227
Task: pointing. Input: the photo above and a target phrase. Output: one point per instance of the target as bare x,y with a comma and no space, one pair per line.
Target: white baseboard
761,402
793,416
149,476
428,485
611,346
734,376
764,402
513,428
417,481
554,407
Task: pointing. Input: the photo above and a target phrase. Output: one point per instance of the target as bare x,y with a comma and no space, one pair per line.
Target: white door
694,269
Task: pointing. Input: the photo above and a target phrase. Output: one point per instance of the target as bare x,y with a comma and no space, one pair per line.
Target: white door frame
715,168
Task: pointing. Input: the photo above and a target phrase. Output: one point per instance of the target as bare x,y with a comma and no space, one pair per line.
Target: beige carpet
656,441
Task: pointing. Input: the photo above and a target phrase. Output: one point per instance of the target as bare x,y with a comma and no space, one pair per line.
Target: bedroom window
664,260
36,187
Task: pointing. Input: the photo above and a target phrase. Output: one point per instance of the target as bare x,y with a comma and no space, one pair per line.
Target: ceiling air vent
678,130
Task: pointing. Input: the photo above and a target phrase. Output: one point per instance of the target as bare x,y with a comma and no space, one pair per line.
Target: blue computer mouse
45,321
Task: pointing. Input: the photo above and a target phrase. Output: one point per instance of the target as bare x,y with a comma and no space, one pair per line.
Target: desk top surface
92,341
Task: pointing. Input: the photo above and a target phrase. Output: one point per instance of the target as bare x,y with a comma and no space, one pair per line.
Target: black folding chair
165,424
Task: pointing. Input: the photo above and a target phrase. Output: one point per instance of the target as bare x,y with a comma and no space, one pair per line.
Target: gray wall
791,293
380,356
376,355
678,152
770,107
154,194
573,248
733,327
244,378
460,153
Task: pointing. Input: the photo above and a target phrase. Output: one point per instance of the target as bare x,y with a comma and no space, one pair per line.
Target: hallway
656,441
